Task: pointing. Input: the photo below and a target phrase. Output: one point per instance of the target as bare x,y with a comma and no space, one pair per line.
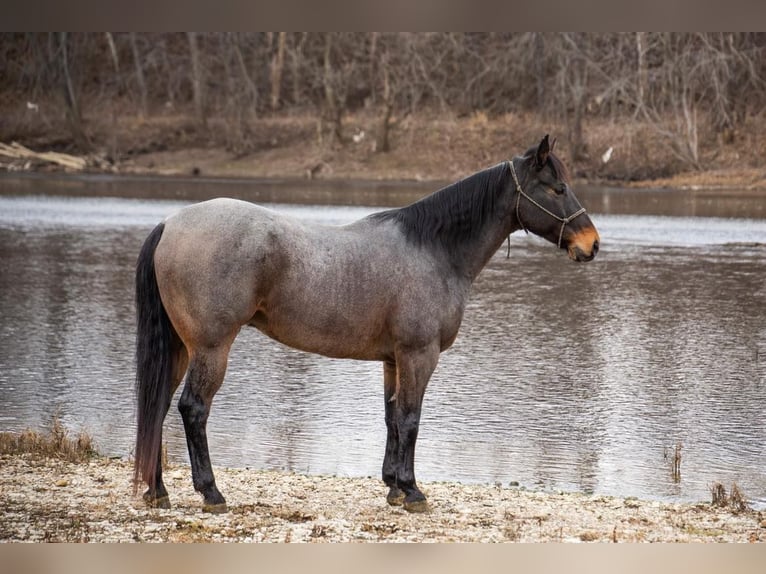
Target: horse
391,287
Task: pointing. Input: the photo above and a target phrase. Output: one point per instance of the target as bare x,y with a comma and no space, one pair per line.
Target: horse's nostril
595,247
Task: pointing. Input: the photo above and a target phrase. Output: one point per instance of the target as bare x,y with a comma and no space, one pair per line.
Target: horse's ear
541,157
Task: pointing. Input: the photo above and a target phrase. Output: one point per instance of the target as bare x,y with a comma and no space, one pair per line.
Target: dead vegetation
55,443
734,500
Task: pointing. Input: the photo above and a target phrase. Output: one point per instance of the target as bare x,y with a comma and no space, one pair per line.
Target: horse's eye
560,188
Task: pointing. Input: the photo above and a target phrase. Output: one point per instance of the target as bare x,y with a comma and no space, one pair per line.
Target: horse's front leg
413,370
390,460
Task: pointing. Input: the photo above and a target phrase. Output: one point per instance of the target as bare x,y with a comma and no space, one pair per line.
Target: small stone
62,482
763,523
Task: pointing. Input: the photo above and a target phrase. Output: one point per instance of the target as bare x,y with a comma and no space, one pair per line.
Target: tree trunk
295,60
197,79
74,117
578,89
116,62
143,111
642,74
382,144
171,94
333,109
540,78
277,65
251,87
373,73
113,52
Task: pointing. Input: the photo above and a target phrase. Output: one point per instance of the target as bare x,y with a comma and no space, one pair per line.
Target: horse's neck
474,254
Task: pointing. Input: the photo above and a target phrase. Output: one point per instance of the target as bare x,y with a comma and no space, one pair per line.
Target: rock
62,482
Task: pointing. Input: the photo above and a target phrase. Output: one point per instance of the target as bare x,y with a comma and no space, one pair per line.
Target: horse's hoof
417,506
161,502
395,497
219,508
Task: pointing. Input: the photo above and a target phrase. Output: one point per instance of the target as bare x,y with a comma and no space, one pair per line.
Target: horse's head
546,205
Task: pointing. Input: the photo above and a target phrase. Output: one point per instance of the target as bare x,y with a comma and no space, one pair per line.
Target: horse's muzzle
584,245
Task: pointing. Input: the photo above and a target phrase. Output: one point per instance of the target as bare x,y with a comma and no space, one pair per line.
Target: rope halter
563,220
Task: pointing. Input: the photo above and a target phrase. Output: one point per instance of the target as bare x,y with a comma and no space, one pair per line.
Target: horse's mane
454,213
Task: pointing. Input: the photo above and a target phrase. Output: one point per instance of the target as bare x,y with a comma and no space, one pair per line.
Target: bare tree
373,68
197,79
382,143
73,113
642,72
277,65
296,59
333,108
250,88
573,79
139,75
113,51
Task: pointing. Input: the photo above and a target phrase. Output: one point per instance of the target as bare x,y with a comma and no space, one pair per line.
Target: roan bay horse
391,287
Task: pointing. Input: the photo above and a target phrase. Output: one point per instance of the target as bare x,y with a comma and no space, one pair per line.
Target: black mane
454,213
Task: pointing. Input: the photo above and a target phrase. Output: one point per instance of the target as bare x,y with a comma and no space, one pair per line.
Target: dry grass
54,443
719,496
734,500
737,500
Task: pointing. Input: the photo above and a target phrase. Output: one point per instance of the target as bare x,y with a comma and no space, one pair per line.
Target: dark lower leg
156,495
204,379
414,368
195,412
408,433
395,496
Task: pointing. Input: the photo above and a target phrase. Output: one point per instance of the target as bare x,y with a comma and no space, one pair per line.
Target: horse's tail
154,363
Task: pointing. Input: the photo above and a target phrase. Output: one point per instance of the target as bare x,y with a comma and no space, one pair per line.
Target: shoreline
426,148
47,499
721,180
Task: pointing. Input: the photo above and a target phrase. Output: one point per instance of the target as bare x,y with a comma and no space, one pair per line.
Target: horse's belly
336,342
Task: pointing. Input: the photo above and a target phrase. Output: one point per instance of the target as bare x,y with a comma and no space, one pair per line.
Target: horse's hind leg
156,495
206,371
395,495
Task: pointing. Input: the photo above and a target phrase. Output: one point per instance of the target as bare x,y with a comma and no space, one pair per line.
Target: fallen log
18,151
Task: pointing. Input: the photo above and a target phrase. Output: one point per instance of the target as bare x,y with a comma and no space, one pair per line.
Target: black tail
154,363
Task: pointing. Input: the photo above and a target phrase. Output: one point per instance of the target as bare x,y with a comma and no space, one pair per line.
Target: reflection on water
564,376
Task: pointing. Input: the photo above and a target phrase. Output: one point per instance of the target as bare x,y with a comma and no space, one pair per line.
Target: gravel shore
44,499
